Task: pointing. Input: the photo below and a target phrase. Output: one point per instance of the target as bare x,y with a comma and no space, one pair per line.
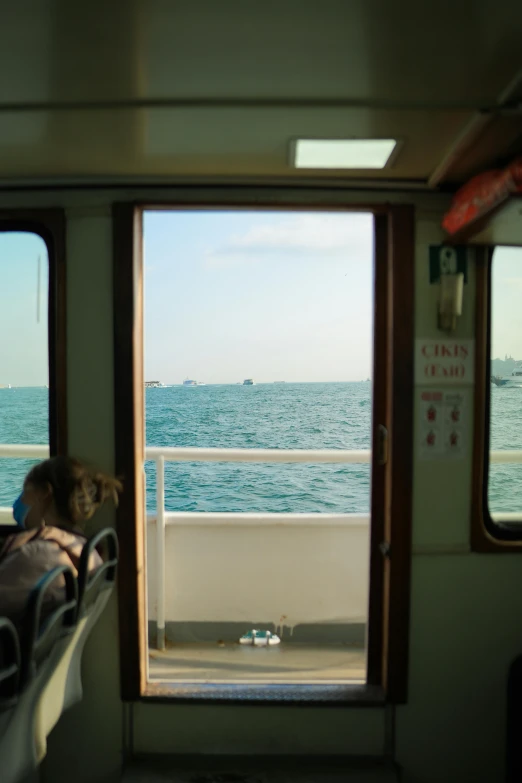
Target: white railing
23,451
254,455
162,518
254,519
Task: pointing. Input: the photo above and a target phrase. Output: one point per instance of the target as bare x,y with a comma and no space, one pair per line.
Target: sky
506,303
266,295
234,295
23,347
274,296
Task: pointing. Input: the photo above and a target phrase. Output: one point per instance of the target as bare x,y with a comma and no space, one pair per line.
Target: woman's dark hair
78,491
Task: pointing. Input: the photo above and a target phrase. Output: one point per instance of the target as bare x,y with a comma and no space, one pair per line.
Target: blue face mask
20,511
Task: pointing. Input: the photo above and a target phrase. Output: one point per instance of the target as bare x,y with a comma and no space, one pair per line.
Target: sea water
268,416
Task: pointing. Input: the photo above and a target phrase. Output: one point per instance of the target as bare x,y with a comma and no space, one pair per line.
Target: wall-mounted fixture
451,290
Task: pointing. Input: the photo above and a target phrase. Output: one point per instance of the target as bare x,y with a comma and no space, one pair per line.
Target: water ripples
268,416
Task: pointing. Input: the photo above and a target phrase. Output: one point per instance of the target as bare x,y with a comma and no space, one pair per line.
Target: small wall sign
448,260
444,362
443,422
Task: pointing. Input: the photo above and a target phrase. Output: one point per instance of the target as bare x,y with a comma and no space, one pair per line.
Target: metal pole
38,291
160,552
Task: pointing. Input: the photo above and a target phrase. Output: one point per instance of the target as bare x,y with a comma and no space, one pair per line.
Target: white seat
64,687
10,664
42,645
94,592
56,683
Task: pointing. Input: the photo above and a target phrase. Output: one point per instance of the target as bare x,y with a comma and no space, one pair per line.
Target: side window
32,348
503,485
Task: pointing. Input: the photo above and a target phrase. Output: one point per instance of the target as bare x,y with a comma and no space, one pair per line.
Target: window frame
391,483
486,535
50,226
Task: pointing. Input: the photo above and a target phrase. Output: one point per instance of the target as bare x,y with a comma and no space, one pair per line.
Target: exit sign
444,362
448,260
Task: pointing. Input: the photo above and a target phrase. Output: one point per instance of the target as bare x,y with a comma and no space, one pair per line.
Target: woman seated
60,495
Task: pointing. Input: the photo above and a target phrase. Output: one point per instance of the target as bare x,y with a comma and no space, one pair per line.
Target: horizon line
209,383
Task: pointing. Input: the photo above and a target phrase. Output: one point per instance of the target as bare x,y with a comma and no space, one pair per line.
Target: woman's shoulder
73,543
52,544
17,540
61,536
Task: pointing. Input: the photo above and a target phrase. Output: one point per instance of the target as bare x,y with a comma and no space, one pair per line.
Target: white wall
284,575
77,740
465,608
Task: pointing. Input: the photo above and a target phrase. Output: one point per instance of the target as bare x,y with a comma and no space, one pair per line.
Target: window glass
505,420
24,357
258,335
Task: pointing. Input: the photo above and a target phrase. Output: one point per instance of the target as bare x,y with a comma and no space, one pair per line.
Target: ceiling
220,88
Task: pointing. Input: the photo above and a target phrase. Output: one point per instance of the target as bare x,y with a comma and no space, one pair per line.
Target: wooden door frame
391,500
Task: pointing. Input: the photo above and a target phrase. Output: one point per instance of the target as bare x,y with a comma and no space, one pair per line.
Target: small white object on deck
260,638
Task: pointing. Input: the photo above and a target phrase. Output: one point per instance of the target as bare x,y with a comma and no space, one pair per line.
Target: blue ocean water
271,416
23,419
285,416
505,481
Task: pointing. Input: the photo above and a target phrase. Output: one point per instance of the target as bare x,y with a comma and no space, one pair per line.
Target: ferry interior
388,643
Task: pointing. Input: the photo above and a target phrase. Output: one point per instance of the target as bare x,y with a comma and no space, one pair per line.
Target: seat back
44,640
91,584
10,664
94,590
52,655
41,632
64,688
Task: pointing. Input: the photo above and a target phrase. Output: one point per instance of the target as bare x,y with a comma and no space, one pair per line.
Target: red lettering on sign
440,371
428,396
442,351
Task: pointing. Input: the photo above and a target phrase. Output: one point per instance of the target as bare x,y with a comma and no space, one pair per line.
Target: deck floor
234,663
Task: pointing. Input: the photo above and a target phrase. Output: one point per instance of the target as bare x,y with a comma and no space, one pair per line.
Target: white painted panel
287,576
465,632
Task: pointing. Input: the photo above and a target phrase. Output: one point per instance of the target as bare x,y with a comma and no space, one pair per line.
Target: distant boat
248,382
189,382
154,385
515,379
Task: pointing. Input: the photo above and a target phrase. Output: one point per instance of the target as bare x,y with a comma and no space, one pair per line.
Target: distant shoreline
219,383
259,383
